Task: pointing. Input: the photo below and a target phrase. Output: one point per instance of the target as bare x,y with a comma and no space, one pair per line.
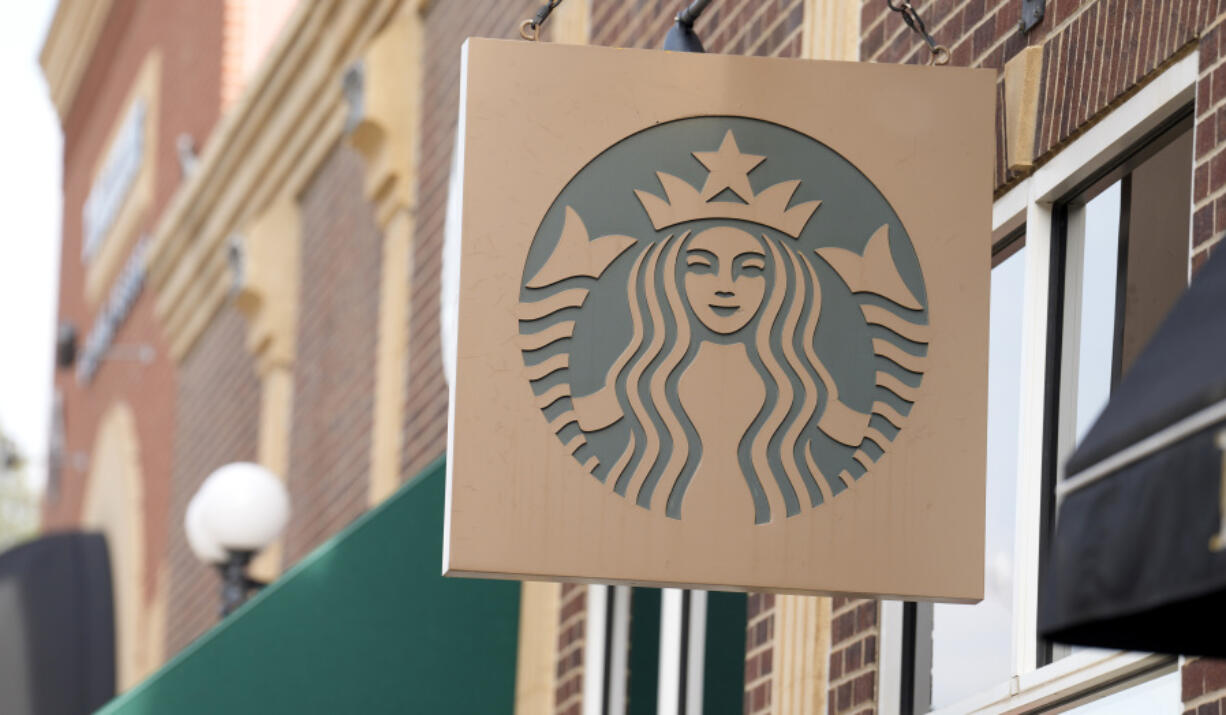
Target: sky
30,198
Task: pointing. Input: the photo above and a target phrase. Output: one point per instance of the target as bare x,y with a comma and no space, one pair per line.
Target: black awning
1135,560
57,638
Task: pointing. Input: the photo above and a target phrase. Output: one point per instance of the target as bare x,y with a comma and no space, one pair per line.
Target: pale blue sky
30,163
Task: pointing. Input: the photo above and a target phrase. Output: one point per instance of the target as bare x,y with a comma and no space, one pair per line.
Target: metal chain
940,53
530,29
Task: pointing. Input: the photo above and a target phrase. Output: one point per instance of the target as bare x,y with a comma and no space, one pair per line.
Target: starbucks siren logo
721,296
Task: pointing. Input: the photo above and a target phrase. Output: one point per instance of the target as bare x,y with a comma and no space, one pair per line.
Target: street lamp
682,38
238,510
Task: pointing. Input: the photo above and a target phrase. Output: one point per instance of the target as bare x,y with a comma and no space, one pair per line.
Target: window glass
1126,264
1095,336
644,665
970,644
1153,697
719,648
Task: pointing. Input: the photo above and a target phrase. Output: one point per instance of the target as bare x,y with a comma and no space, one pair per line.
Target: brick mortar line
766,32
837,683
786,41
857,637
1082,8
759,681
850,676
1201,249
1208,75
1215,193
1145,39
619,39
1209,200
755,653
977,61
954,12
853,606
744,28
969,35
842,647
1205,699
881,16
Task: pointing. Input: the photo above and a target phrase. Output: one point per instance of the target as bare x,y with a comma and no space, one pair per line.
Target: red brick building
255,201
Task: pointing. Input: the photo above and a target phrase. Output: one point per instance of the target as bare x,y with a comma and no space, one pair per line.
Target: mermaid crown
728,172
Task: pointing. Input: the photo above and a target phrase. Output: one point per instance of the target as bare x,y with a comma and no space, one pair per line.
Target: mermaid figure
720,386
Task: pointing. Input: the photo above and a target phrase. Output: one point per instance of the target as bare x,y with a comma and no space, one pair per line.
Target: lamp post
238,510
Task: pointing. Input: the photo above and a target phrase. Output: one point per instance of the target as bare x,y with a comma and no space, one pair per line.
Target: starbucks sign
721,337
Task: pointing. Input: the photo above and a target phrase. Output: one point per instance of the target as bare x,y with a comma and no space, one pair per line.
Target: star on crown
729,171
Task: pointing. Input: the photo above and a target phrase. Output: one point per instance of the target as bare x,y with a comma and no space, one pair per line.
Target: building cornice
69,46
269,144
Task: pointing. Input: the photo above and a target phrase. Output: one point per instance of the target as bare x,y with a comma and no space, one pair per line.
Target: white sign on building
114,181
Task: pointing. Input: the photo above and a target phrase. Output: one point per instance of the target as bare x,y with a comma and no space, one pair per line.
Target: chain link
940,53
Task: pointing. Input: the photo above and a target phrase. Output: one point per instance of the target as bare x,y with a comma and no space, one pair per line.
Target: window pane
970,644
1157,246
644,660
1095,339
1153,697
723,678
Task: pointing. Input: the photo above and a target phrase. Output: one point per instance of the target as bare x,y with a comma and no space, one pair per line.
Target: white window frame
605,638
1030,203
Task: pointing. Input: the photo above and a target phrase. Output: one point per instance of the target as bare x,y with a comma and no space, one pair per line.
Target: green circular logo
723,308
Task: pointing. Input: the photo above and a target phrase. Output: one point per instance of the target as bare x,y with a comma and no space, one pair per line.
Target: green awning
365,624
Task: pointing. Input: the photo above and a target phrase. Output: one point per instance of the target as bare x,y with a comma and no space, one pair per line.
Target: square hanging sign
723,322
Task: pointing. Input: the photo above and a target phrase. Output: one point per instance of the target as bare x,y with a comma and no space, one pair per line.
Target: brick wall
1095,54
217,422
853,656
759,652
572,624
334,372
1209,185
734,27
188,38
447,25
1204,687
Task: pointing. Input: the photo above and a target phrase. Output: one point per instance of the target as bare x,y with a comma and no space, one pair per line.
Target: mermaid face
724,278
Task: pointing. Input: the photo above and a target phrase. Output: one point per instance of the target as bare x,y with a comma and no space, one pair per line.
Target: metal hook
529,30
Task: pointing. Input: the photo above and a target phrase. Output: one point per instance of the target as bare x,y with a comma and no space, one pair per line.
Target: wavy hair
663,449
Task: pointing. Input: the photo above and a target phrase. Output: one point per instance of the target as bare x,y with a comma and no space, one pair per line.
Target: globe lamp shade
202,543
243,506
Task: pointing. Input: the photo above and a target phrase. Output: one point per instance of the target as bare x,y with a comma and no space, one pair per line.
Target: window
1143,697
970,644
1123,244
1103,258
669,650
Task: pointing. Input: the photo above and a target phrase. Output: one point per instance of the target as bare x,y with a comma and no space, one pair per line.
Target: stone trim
270,143
69,47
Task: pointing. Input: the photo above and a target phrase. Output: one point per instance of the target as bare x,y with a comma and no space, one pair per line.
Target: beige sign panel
722,322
